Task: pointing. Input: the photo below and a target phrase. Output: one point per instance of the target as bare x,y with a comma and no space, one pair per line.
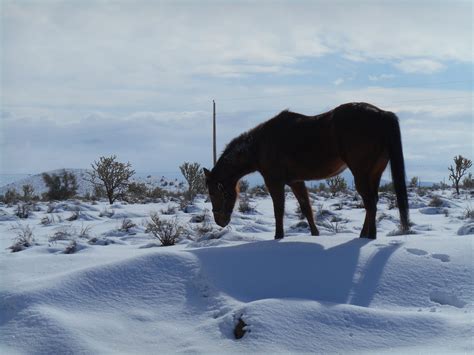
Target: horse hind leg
301,194
370,205
367,186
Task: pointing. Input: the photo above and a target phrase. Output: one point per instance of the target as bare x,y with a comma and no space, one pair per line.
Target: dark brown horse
291,148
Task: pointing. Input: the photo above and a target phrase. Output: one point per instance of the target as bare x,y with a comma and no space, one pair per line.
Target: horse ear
207,173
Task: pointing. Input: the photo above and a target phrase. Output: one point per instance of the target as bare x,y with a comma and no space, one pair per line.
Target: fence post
214,131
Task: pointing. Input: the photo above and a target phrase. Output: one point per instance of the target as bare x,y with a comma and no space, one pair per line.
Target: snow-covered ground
121,293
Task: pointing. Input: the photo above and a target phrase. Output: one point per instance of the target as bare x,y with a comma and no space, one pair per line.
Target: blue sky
137,78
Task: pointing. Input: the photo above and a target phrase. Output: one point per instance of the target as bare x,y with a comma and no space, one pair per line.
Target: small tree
336,184
28,192
10,197
468,182
414,182
461,165
60,187
112,175
195,178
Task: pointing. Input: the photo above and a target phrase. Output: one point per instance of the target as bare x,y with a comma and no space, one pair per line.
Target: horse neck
236,163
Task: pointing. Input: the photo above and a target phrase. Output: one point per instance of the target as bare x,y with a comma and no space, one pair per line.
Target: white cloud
381,77
423,66
150,69
338,81
102,45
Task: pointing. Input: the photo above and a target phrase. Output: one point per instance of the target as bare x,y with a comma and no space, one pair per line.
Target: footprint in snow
415,251
445,298
443,257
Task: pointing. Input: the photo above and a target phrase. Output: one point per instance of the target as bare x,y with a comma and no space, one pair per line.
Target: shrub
259,190
414,182
461,165
392,201
157,193
205,225
468,182
74,215
334,225
71,248
106,213
299,213
137,190
468,213
111,175
85,231
46,220
24,238
245,206
322,187
170,210
435,202
28,193
60,187
127,224
64,233
388,187
440,186
11,196
336,184
22,210
166,231
243,185
195,178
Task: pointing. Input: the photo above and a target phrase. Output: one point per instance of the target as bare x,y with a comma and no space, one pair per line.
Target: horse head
223,194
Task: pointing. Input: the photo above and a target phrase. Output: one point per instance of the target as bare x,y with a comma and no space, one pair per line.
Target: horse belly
316,170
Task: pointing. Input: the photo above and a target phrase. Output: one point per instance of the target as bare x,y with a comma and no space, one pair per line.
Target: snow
122,293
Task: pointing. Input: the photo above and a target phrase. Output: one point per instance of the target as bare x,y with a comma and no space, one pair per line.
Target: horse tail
397,166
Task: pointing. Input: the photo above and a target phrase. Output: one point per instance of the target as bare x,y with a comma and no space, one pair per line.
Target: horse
292,148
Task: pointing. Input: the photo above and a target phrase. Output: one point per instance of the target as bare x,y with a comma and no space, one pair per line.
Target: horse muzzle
222,219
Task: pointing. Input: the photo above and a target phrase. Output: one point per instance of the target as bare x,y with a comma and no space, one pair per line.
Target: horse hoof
278,237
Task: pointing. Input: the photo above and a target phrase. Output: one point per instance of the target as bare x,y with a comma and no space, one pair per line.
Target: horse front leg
301,194
277,192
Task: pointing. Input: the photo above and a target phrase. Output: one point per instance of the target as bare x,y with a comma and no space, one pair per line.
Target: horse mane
244,142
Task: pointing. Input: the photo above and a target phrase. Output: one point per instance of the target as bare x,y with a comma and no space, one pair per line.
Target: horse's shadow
272,269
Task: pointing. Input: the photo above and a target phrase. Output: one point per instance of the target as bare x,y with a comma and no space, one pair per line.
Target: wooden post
214,131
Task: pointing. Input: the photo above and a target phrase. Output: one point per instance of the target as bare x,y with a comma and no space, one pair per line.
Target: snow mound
124,293
432,210
466,229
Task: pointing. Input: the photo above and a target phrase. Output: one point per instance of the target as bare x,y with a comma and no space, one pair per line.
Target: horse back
299,147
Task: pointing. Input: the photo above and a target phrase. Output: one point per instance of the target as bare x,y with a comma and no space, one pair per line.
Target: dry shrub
435,202
245,206
24,238
167,231
127,224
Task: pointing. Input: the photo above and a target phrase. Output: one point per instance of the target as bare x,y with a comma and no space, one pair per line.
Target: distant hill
85,186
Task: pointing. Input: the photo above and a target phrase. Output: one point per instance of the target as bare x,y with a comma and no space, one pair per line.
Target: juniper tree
60,187
112,175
